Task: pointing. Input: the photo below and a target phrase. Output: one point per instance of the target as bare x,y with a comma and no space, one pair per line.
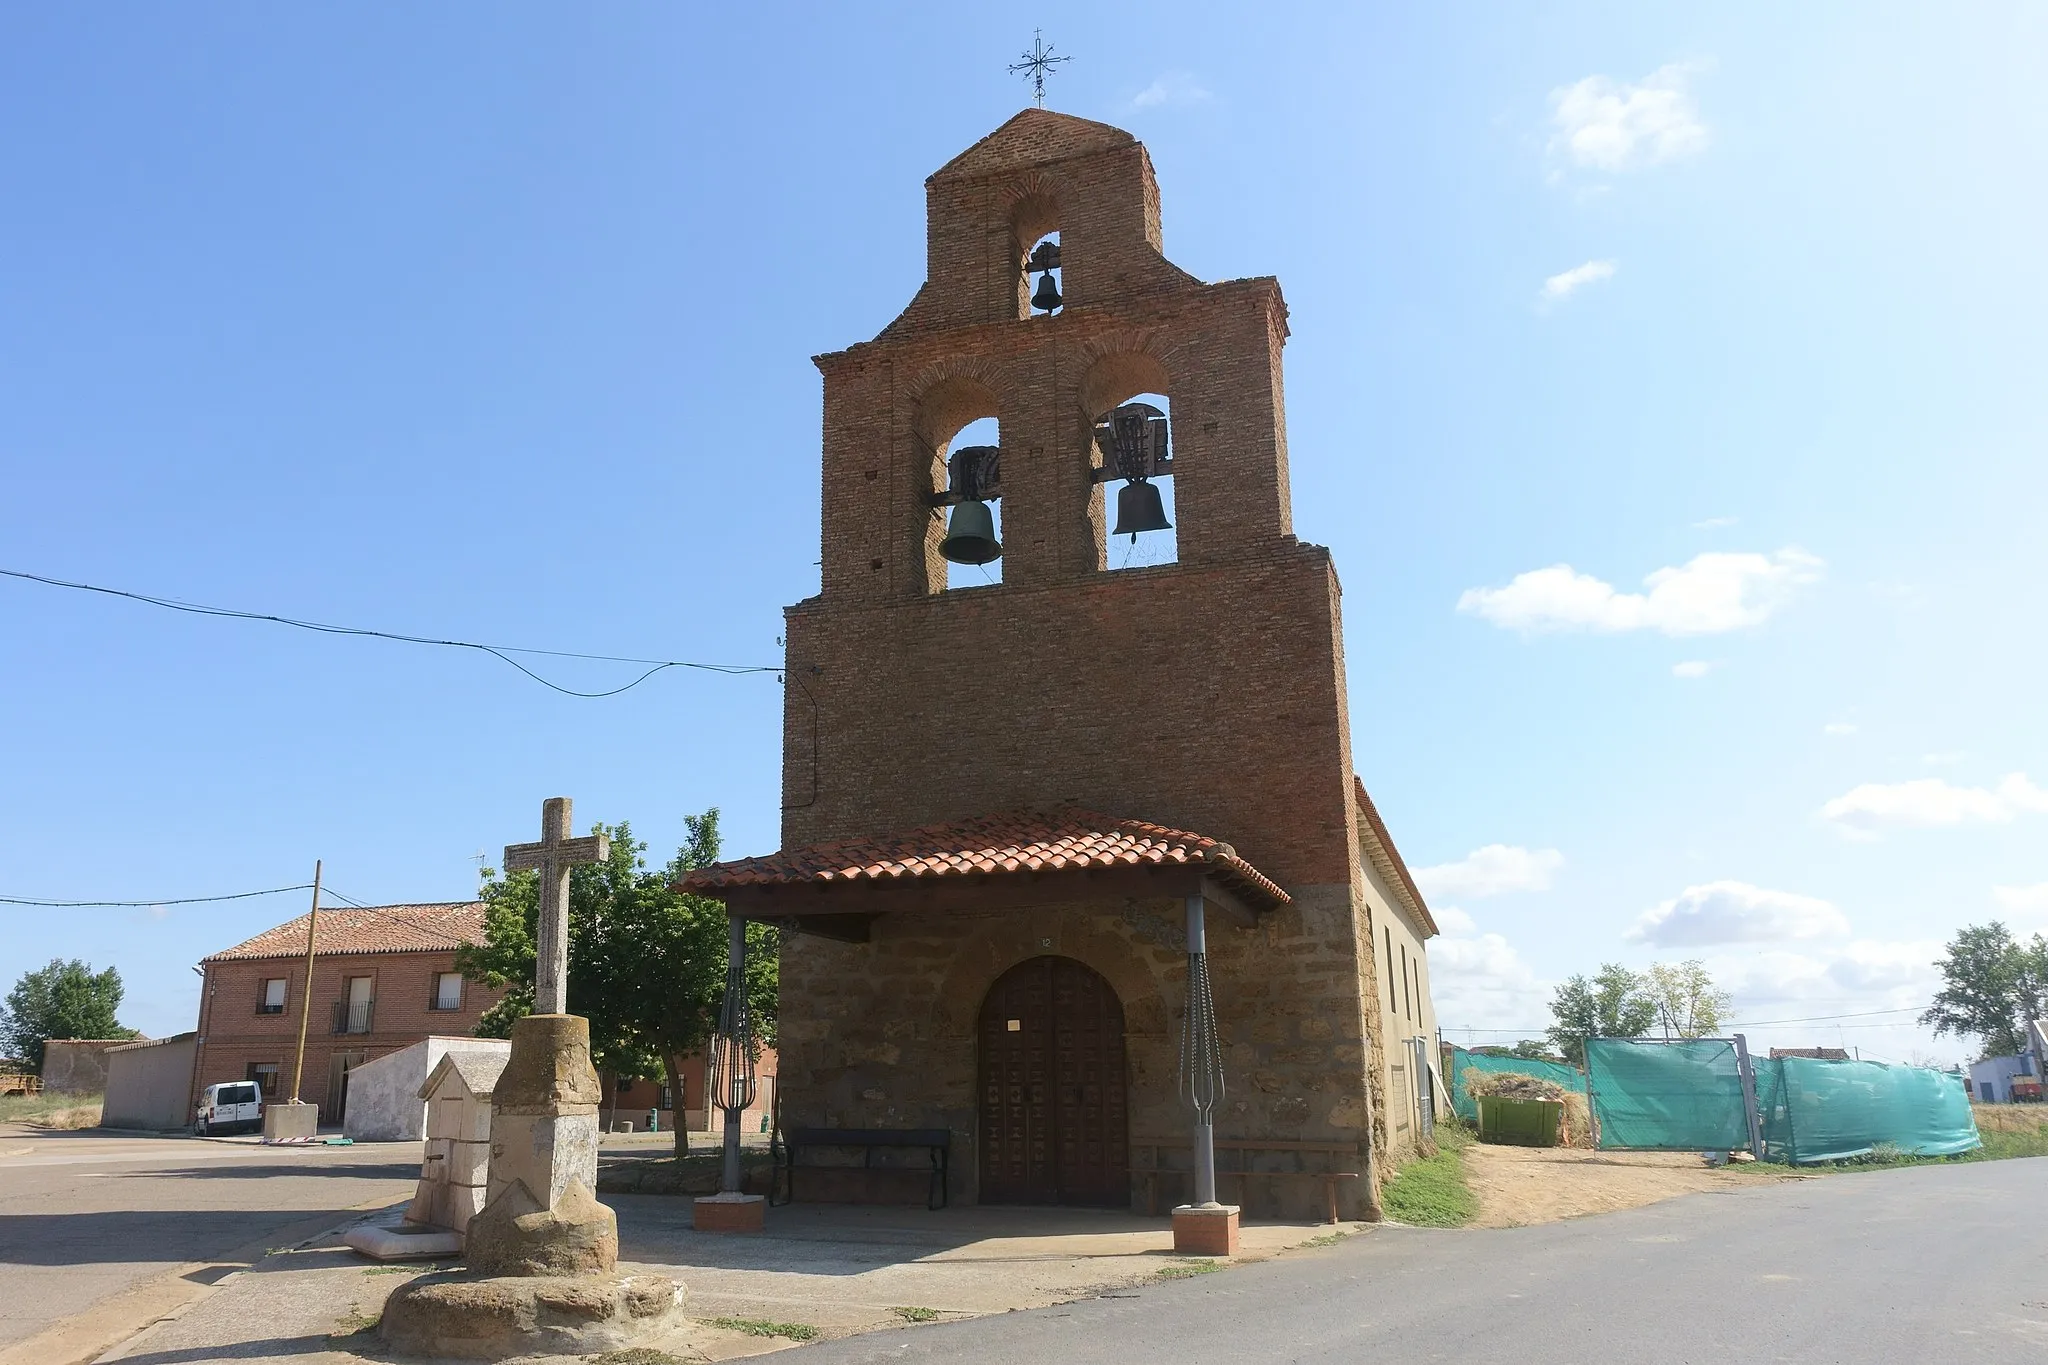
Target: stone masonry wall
882,1034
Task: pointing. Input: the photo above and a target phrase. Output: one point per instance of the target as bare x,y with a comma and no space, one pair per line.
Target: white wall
384,1103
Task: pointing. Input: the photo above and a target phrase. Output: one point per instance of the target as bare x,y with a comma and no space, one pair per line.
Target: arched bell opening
1053,1094
1035,230
1129,414
959,441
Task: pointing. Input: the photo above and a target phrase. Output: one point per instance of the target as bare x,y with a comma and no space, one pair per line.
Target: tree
1614,1004
647,964
1992,985
1531,1050
63,1000
1688,1005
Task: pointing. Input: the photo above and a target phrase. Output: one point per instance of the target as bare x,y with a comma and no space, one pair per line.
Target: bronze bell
971,534
1140,508
1047,296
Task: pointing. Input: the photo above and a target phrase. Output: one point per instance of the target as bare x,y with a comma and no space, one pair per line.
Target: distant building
1992,1080
384,978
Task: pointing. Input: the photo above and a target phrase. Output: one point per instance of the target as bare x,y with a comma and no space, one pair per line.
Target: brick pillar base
730,1213
1199,1231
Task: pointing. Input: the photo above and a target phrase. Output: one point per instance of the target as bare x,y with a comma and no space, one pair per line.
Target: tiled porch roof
1016,842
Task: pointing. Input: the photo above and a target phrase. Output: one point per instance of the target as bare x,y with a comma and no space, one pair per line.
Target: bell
971,534
1140,508
1047,296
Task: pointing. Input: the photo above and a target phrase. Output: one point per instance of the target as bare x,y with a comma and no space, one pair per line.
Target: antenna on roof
1037,65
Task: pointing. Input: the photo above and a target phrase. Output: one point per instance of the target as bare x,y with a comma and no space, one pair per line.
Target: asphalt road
1920,1266
87,1215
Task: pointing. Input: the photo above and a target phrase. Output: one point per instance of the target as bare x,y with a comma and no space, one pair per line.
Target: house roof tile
434,927
1065,839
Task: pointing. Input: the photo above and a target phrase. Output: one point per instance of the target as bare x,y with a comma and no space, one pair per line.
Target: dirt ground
1521,1186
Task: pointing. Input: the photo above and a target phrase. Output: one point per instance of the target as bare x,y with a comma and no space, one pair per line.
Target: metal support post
731,1082
1201,1058
1747,1070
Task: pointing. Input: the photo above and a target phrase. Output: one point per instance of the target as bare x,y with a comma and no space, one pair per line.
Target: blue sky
494,323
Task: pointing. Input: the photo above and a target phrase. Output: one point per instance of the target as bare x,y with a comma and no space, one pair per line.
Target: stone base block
404,1242
291,1122
1205,1230
471,1317
578,1236
730,1213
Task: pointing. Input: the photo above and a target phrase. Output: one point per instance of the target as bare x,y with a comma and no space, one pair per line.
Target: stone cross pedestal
542,1252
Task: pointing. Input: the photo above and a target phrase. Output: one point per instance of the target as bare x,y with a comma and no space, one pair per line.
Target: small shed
384,1095
1991,1079
456,1174
149,1084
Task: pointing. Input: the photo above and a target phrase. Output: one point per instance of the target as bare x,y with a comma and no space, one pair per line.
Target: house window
265,1075
448,991
1410,999
1387,973
273,996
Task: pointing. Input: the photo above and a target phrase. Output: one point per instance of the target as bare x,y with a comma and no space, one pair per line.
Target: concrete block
291,1122
1205,1230
468,1163
730,1213
446,1117
405,1242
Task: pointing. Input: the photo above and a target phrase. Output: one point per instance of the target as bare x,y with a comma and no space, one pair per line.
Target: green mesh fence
1683,1095
1463,1063
1688,1096
1825,1111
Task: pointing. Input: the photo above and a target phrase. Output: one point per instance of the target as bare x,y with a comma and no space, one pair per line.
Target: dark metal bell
971,535
1140,508
1047,296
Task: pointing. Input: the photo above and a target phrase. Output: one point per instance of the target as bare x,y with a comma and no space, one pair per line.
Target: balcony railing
353,1018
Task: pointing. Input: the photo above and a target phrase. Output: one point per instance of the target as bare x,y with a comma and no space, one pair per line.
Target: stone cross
553,856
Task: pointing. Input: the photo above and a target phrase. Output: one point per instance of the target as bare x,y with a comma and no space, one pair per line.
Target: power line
500,652
1745,1023
143,905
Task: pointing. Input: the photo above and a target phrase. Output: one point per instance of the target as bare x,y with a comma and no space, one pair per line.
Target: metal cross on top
552,857
1038,64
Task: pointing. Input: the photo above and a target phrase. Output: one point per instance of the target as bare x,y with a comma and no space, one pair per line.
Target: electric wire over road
501,652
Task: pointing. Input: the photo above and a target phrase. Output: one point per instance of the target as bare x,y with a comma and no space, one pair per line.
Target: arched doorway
1053,1114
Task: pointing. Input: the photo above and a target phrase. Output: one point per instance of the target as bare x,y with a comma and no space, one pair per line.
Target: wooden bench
787,1147
1246,1148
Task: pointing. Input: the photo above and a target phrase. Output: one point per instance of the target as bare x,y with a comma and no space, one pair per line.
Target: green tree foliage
63,1000
1688,1004
1616,1003
647,964
1992,985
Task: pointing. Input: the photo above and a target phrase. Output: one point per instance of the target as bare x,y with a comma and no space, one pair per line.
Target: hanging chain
730,1080
1201,1056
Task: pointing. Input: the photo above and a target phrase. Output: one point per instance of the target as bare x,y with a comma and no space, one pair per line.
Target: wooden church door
1053,1123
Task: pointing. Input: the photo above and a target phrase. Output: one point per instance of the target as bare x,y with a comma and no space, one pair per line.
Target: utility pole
306,996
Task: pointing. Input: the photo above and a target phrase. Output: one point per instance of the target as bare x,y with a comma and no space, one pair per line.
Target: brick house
1003,800
383,978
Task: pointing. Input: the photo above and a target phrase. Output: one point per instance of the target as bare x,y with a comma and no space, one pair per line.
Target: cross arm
591,848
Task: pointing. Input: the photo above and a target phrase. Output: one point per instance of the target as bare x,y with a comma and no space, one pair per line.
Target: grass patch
1328,1239
642,1355
1431,1192
51,1110
761,1327
357,1323
1188,1269
393,1270
916,1314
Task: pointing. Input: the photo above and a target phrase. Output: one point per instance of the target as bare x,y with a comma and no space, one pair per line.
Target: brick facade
237,1032
1207,695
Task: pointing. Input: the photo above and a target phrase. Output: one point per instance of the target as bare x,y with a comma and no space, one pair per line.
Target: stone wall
882,1034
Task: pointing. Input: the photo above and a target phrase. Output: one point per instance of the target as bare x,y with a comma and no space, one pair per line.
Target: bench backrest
869,1137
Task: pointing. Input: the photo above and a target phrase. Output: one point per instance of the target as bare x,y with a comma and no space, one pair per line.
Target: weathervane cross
1037,65
552,857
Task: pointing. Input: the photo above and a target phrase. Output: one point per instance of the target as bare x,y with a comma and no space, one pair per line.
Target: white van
230,1105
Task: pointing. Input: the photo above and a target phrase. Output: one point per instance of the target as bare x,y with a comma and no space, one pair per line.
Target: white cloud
1709,594
1175,87
1932,802
2015,900
1479,981
1490,871
1565,283
1607,125
1713,523
1692,668
1736,912
1838,727
1866,974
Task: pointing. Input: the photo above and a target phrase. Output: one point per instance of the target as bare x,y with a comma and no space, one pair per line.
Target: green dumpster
1519,1123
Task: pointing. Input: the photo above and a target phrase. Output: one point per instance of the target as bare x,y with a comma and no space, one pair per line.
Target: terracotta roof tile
371,929
1019,841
